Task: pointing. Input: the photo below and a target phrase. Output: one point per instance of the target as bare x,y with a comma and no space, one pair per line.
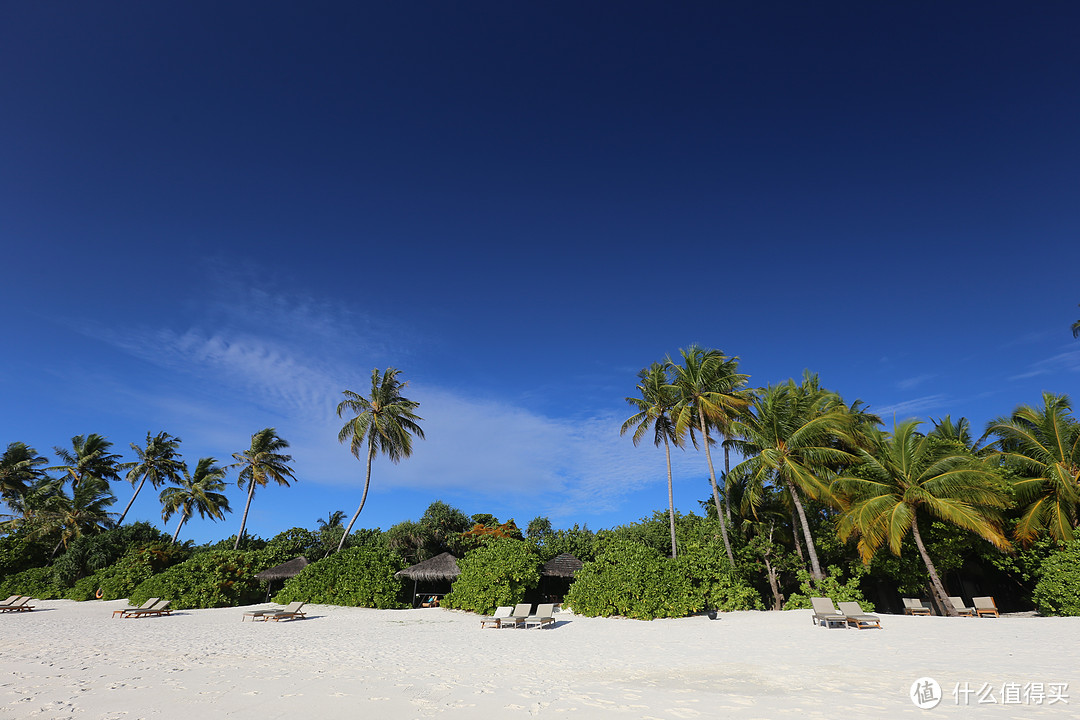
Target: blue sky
216,217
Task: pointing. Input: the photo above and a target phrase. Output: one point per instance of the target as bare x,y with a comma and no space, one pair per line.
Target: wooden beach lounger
161,607
145,606
11,600
985,607
958,605
291,612
18,605
855,616
542,616
501,613
914,606
825,614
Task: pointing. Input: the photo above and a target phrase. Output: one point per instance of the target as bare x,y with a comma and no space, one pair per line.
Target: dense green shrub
358,577
1058,590
832,586
19,552
121,580
35,582
716,586
499,572
219,578
90,553
634,580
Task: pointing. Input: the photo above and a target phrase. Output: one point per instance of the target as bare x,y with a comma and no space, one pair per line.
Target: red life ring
98,594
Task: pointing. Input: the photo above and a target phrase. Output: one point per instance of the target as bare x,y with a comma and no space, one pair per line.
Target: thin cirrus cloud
1062,362
913,407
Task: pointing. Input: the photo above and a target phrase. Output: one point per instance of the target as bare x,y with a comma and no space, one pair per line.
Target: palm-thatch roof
284,571
440,567
564,565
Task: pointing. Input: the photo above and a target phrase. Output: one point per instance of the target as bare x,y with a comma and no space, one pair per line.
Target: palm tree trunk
363,498
795,536
671,500
715,492
183,519
130,502
935,580
727,471
243,521
815,566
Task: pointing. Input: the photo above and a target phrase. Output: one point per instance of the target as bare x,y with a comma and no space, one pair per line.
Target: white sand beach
69,659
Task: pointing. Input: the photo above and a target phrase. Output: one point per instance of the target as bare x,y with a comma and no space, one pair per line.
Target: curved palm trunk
131,502
243,521
715,492
727,471
671,500
935,580
183,519
363,498
795,536
815,566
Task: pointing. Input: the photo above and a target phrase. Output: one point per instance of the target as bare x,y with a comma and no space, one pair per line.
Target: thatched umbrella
441,568
557,574
284,571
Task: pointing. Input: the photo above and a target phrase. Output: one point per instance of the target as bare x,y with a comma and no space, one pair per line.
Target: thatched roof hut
284,571
565,565
440,567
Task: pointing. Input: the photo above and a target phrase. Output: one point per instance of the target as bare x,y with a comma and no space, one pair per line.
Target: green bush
499,572
832,586
35,582
633,580
121,580
357,577
1058,590
715,584
219,578
90,553
18,552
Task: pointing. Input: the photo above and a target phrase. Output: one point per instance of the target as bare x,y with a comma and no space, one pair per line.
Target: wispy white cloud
1062,362
911,382
912,408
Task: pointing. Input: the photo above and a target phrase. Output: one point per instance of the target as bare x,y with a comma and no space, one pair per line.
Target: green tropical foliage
207,580
262,462
383,421
198,492
499,572
632,580
1058,590
159,462
355,577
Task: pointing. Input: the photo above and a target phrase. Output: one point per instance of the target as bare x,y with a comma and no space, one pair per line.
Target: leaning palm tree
20,468
259,464
84,512
1042,445
656,399
710,395
908,475
333,520
793,438
159,462
199,492
1076,329
384,421
89,459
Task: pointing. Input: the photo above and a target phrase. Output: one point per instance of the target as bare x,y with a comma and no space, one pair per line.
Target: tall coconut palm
259,464
333,520
793,438
654,404
20,468
84,512
1076,329
159,462
383,421
88,459
1042,445
907,475
710,395
199,492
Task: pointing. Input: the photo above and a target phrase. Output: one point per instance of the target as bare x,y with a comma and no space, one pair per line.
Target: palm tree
384,421
656,400
711,395
909,474
200,492
19,470
1076,329
1042,445
259,464
333,520
159,463
89,459
792,439
84,512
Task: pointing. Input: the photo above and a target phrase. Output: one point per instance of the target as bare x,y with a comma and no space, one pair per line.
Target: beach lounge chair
855,616
145,606
914,606
18,605
958,605
161,607
825,614
517,618
291,612
11,600
501,613
985,607
542,616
